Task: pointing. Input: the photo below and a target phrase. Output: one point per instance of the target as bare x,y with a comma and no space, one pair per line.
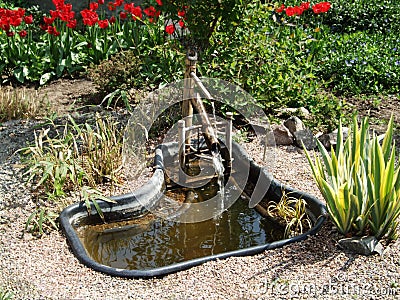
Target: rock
330,139
305,137
294,124
365,245
282,135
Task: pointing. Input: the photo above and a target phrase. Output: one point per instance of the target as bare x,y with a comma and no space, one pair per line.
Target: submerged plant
360,182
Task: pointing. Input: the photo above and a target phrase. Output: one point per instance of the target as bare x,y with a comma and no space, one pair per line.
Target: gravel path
313,269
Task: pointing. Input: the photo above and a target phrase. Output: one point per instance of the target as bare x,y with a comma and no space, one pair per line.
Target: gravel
45,268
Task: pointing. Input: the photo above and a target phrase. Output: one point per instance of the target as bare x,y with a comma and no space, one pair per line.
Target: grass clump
20,104
78,158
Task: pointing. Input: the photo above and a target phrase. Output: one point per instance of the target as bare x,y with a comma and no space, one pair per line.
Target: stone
305,137
329,140
282,135
365,245
294,124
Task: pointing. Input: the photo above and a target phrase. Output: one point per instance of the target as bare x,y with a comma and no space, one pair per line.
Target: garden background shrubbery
282,57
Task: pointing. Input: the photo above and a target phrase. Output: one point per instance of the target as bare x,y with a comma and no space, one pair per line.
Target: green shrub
360,182
373,16
361,63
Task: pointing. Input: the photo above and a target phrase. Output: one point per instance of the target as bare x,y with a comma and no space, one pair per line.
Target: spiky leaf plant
360,182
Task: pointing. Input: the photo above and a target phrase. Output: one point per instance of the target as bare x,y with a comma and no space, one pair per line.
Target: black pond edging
128,206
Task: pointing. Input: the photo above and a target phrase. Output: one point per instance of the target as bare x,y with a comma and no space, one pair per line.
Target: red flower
151,12
305,5
48,21
111,6
28,19
118,2
293,11
67,16
103,23
181,24
298,10
181,13
59,4
112,20
136,12
89,17
170,29
10,33
71,24
20,12
321,7
100,2
52,30
15,21
54,14
123,15
280,9
289,11
67,7
159,2
23,33
93,6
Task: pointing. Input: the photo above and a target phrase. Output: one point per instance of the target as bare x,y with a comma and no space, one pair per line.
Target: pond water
150,242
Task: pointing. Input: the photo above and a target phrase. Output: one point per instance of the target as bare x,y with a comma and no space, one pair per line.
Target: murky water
151,242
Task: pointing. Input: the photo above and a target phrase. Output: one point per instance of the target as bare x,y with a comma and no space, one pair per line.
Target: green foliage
40,221
274,62
204,18
361,63
360,182
373,16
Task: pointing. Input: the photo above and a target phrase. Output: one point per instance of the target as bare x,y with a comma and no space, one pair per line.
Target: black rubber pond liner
129,206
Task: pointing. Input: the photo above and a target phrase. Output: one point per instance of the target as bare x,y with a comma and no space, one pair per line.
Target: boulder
305,137
329,140
282,135
365,245
294,124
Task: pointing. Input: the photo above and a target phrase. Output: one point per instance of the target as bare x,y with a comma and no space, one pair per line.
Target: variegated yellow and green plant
360,181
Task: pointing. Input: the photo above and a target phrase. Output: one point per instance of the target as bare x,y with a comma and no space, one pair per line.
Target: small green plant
292,211
41,220
6,295
360,182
